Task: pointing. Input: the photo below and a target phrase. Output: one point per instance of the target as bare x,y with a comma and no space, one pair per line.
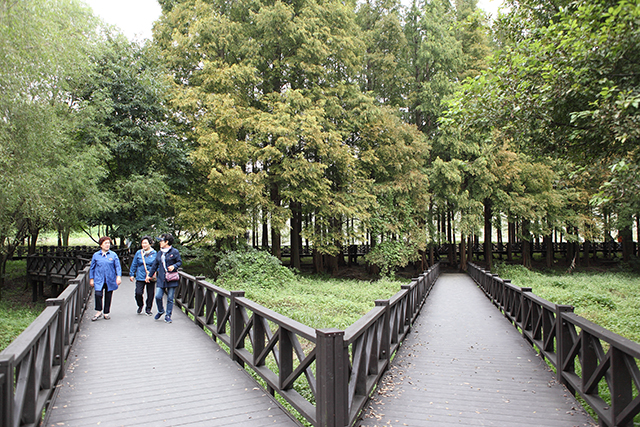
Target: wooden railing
327,375
51,265
593,362
560,248
22,252
610,248
32,365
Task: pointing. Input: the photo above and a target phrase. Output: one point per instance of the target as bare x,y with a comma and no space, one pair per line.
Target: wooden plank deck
133,370
464,364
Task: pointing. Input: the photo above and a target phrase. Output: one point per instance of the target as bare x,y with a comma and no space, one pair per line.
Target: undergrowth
317,301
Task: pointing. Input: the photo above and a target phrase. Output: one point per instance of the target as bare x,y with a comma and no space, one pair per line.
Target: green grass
14,320
16,310
318,301
324,302
612,300
76,238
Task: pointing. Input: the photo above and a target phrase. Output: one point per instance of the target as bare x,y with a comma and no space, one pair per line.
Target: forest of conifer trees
324,122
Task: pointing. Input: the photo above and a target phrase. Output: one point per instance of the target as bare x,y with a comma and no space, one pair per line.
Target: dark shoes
158,315
139,310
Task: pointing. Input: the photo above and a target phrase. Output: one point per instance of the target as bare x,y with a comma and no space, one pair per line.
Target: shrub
252,267
390,255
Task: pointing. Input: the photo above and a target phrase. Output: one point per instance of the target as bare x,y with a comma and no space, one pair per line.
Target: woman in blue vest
105,275
167,261
143,259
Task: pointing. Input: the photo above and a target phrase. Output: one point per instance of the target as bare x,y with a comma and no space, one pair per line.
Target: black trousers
107,300
140,287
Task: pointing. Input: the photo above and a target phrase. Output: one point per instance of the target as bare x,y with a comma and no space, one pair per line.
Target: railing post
331,373
486,284
385,340
498,291
79,301
524,309
237,324
564,343
47,271
61,332
199,299
621,387
6,404
505,296
484,281
408,312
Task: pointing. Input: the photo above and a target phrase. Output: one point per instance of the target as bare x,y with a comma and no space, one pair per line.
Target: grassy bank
610,299
318,301
16,309
324,302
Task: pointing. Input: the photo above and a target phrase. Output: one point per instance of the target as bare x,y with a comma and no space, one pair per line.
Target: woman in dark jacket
167,261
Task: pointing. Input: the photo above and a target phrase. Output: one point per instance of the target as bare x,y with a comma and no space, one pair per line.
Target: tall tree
472,31
434,58
39,160
123,103
280,124
384,74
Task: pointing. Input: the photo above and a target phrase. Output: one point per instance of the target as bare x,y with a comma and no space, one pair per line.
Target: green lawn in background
75,239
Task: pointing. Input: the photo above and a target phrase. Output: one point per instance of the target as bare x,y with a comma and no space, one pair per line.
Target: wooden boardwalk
464,364
133,370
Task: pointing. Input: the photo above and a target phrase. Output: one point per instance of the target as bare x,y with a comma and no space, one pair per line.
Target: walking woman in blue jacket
105,275
142,260
167,261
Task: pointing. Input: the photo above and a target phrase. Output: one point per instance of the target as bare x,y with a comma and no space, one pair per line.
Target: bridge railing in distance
32,365
56,265
55,268
67,262
327,375
588,358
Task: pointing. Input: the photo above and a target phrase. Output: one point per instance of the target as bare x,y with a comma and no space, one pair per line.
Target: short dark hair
103,239
168,237
148,239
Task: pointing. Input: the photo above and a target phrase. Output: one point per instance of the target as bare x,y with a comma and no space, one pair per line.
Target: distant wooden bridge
52,268
607,250
229,361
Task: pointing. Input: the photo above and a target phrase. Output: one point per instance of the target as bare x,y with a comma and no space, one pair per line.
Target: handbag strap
143,261
164,264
